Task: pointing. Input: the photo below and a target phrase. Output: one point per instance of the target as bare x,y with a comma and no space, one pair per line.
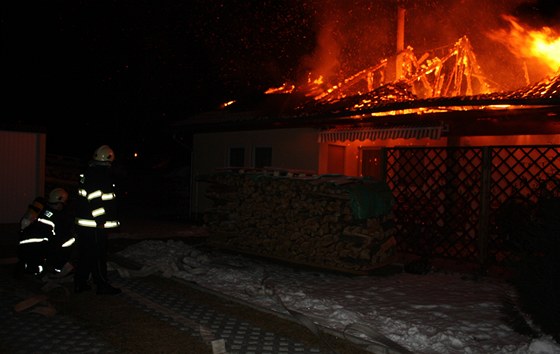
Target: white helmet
58,195
104,154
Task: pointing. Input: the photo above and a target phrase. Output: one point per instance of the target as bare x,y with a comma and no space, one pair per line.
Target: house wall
291,149
22,176
353,155
353,158
299,149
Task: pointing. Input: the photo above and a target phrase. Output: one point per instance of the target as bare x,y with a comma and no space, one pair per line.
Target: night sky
113,71
117,69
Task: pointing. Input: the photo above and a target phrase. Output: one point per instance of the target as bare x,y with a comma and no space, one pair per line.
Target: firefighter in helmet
96,213
61,254
47,239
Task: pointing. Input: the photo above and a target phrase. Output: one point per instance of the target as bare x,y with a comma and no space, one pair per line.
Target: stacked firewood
308,220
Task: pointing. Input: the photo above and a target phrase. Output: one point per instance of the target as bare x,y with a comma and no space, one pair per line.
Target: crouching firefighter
96,213
47,242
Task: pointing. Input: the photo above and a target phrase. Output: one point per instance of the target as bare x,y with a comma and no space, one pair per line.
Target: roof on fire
388,106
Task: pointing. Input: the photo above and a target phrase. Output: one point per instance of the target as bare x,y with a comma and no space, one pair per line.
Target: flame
225,104
317,81
542,45
447,71
285,88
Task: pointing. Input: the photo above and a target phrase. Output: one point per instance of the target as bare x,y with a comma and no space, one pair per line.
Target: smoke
352,35
444,22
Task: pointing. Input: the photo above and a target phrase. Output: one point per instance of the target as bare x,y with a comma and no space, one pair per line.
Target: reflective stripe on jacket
33,240
97,198
92,223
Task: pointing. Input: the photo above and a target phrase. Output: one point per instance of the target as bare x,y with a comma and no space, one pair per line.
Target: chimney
400,41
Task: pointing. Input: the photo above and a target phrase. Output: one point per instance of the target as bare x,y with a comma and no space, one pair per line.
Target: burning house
451,146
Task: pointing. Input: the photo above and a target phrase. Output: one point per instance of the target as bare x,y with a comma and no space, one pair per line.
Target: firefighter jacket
63,234
40,231
97,198
45,236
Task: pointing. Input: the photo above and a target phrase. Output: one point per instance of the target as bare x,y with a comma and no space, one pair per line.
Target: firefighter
61,255
47,240
96,213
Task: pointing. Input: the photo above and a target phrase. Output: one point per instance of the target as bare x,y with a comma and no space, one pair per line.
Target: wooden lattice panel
520,175
440,196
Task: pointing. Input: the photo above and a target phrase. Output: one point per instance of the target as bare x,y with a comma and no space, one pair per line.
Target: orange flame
542,45
285,88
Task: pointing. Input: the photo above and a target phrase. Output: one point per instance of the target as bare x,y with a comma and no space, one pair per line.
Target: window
236,157
263,157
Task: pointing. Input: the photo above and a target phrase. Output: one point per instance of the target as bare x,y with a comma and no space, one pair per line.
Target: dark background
115,72
94,72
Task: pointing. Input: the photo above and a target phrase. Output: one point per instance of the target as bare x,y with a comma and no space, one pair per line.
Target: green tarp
370,199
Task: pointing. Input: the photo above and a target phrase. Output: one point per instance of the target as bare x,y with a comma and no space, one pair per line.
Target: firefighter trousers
92,256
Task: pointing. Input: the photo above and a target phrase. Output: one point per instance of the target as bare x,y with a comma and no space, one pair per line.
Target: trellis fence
453,203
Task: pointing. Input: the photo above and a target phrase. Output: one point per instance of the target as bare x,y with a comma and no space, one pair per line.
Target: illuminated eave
444,109
433,110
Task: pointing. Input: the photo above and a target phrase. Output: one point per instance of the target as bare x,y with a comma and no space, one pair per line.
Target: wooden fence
456,203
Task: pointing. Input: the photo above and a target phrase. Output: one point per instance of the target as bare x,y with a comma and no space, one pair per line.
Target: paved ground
153,314
32,331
